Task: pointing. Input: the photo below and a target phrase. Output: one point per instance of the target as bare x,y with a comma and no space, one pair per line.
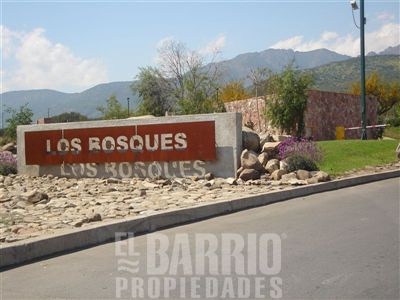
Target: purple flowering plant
8,163
7,158
300,146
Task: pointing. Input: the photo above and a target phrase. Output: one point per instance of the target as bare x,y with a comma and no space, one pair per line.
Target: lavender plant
300,147
8,163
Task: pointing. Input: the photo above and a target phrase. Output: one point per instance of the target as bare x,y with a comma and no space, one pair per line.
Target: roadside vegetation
345,155
392,132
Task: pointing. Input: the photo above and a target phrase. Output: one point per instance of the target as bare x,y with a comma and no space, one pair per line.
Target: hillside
339,76
85,102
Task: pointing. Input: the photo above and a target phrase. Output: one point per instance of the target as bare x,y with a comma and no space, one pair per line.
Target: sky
73,45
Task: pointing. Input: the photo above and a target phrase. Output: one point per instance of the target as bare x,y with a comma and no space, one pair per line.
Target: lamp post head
353,4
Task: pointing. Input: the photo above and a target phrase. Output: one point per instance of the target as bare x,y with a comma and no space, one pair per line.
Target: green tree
155,92
386,93
23,116
198,101
287,100
113,109
69,117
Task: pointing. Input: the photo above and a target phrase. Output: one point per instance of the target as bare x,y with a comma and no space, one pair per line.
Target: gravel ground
35,206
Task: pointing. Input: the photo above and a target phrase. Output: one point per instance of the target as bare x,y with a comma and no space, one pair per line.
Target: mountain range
332,71
275,60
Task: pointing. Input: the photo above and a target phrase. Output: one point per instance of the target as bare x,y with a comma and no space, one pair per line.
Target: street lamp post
127,99
362,66
362,58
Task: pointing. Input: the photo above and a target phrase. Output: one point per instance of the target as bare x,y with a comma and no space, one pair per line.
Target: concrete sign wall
168,147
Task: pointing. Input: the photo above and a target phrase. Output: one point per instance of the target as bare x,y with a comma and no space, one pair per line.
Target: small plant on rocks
300,146
298,162
8,163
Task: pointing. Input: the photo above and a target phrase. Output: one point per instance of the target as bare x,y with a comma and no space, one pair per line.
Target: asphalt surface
339,244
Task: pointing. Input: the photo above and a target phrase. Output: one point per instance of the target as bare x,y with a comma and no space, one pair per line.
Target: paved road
340,244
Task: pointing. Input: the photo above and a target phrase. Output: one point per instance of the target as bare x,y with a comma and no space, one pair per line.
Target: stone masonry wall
248,108
325,111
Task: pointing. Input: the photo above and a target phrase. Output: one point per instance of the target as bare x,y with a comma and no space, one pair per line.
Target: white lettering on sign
137,169
76,145
94,144
164,142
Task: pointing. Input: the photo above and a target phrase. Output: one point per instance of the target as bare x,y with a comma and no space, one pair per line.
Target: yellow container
340,133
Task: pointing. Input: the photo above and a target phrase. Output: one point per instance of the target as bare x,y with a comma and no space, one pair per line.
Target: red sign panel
156,142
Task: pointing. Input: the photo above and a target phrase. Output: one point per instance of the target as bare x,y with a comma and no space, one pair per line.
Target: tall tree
155,92
287,100
257,77
113,109
386,93
22,116
181,81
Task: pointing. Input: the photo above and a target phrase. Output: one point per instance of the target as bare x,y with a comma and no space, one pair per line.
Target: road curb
41,247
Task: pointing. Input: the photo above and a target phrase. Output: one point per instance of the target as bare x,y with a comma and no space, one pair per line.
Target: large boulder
250,139
283,165
272,165
263,158
265,138
322,176
277,174
288,177
249,174
238,171
271,148
280,137
249,160
303,174
312,180
9,147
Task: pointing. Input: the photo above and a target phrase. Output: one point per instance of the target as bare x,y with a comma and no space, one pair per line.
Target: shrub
6,170
298,162
8,163
300,146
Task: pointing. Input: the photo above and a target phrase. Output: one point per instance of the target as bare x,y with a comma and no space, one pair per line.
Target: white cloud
387,35
329,35
8,40
36,62
290,43
385,16
214,46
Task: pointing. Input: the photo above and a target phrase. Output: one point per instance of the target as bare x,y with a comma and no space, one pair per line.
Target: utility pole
362,59
48,112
